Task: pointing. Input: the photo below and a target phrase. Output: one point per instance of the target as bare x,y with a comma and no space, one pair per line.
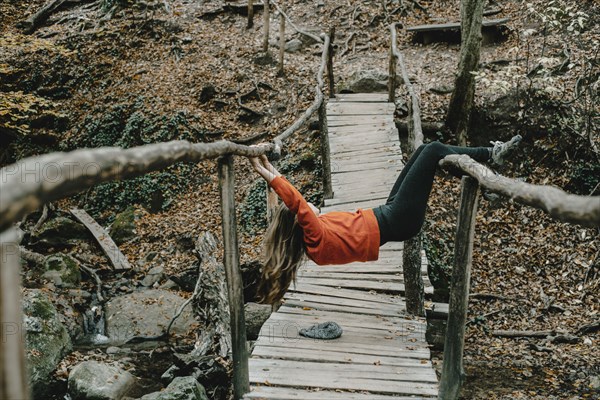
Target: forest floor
148,75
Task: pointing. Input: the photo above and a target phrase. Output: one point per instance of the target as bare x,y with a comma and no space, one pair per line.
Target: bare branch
583,210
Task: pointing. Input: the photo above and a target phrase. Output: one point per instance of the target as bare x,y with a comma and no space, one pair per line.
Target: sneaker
502,149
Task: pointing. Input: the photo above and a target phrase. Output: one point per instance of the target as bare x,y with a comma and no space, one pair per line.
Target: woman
297,228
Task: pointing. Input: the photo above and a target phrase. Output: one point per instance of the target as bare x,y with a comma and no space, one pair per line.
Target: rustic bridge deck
382,353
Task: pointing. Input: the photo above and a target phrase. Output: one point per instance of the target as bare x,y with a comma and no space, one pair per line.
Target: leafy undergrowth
147,76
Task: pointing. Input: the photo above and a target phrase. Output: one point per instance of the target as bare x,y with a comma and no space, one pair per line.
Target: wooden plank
322,299
407,375
390,148
355,343
341,168
294,393
109,247
346,309
382,108
401,343
345,293
356,109
404,328
387,287
417,325
350,143
315,273
324,381
357,284
411,358
360,97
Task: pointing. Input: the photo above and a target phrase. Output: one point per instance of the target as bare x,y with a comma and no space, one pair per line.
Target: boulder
153,276
123,227
62,270
46,338
146,313
181,388
293,45
255,315
91,380
366,81
60,231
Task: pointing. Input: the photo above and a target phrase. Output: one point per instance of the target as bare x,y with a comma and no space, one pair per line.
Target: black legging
403,214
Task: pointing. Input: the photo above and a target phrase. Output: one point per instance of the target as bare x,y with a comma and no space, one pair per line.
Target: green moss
67,268
253,213
123,227
43,308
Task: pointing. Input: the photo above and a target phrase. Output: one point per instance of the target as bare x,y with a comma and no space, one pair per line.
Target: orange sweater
334,237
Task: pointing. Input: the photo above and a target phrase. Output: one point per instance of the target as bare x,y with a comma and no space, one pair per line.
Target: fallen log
118,260
517,334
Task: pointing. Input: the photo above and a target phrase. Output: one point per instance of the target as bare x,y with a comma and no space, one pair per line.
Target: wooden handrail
414,100
581,210
28,184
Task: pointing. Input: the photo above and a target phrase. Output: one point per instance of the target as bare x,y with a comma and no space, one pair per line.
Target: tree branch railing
582,210
411,263
32,182
570,208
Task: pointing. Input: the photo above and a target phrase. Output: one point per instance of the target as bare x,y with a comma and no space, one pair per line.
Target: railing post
13,376
330,63
281,71
325,153
452,369
412,260
266,25
250,14
235,285
392,69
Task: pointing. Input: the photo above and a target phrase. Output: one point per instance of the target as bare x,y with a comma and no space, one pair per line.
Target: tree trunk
231,260
452,370
211,305
461,102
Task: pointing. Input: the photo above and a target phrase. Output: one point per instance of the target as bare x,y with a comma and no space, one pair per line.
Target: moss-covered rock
63,270
123,227
60,231
47,340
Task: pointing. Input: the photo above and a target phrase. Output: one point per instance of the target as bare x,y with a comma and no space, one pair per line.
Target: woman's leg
403,214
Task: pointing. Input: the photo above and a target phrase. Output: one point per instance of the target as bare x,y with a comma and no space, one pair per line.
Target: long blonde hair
283,252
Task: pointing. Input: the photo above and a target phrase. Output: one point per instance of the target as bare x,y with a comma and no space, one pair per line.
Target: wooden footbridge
382,353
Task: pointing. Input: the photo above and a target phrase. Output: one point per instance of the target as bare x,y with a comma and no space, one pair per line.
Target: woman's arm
264,168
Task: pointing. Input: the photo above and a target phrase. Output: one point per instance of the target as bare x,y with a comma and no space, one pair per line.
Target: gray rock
293,45
182,388
91,380
255,315
146,313
595,382
153,276
47,340
59,232
123,227
366,81
62,270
